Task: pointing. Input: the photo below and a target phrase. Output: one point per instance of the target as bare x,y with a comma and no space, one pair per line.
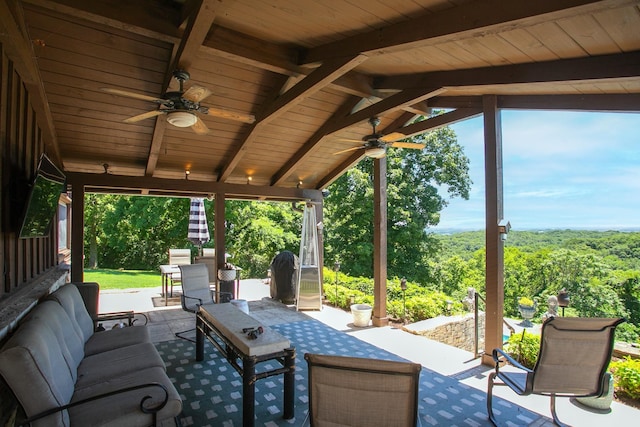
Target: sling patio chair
359,392
572,362
178,257
195,291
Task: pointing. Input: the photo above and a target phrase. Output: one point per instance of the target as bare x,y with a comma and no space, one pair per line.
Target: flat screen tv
42,202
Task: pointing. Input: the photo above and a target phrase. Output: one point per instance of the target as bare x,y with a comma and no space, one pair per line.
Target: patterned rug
212,390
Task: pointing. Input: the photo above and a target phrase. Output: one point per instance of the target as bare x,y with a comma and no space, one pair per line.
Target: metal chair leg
553,411
492,377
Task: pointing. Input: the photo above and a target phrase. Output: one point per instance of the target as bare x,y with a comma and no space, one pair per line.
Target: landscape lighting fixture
182,119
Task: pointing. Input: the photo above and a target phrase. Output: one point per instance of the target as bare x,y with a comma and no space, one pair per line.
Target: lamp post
563,299
403,286
449,307
336,268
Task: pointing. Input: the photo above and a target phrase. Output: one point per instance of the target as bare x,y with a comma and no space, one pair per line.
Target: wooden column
494,282
219,230
77,232
380,242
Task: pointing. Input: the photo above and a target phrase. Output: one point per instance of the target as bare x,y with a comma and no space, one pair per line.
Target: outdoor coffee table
222,324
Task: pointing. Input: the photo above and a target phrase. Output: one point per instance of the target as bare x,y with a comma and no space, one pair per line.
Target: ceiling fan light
181,119
376,152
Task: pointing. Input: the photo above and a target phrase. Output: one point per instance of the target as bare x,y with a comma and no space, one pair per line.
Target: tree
415,181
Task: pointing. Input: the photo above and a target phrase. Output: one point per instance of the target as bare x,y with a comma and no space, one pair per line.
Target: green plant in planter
525,302
524,348
626,374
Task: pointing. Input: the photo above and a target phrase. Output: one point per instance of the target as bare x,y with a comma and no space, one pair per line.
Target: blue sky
562,170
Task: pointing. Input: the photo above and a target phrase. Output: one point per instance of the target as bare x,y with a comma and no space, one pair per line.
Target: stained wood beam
394,102
309,146
311,84
436,122
158,20
186,188
613,66
623,102
17,46
197,28
466,20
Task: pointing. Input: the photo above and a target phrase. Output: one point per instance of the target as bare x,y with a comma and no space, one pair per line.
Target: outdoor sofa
65,374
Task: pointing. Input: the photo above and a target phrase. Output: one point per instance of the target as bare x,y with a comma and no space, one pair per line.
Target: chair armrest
499,356
116,315
153,410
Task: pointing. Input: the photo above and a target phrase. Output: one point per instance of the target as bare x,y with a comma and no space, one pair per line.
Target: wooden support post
380,242
494,277
77,232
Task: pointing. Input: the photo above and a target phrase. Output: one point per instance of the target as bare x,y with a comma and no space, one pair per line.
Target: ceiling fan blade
348,149
196,93
133,95
199,127
412,145
394,136
143,116
231,115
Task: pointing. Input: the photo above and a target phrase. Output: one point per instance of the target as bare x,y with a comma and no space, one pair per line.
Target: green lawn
123,279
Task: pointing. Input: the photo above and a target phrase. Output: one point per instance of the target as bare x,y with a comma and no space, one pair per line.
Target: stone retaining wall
458,333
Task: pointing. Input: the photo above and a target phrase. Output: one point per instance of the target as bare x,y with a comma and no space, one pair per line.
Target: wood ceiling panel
528,43
588,33
557,40
622,26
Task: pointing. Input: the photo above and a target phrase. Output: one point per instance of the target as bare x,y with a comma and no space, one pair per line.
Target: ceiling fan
182,107
375,145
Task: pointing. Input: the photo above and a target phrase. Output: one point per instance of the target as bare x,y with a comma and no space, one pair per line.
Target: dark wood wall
22,259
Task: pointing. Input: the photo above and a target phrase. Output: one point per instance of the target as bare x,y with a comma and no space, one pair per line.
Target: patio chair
178,257
572,362
357,392
195,291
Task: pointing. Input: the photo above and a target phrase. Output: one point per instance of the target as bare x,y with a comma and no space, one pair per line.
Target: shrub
626,374
524,348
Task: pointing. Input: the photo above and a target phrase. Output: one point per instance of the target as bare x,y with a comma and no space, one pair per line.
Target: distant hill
619,244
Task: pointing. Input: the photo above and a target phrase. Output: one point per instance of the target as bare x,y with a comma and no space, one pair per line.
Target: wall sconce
187,173
503,229
249,179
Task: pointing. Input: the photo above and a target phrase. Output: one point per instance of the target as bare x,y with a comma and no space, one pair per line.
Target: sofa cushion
114,363
33,365
123,409
116,338
70,299
53,316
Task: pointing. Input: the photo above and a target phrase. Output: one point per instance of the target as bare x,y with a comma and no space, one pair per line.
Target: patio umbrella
198,230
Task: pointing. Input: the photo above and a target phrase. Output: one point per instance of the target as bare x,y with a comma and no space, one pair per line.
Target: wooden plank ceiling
311,73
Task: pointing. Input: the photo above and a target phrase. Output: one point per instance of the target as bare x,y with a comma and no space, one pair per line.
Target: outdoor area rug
212,390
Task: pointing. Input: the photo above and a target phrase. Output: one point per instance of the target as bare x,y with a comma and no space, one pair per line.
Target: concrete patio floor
446,360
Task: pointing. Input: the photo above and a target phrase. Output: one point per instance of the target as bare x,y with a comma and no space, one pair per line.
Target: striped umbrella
198,229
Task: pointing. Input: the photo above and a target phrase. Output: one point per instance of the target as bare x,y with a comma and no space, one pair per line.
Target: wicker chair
572,362
358,392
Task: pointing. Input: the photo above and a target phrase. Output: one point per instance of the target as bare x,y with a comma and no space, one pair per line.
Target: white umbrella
198,229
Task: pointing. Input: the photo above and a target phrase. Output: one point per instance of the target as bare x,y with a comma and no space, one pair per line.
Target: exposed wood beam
198,26
156,145
290,166
436,122
394,102
17,46
590,68
314,82
623,102
148,18
340,169
468,19
187,188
